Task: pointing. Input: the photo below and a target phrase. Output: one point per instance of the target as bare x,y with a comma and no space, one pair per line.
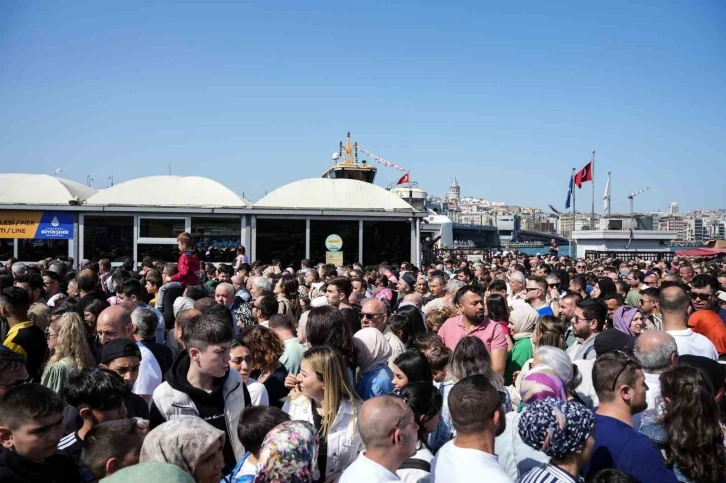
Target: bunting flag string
382,161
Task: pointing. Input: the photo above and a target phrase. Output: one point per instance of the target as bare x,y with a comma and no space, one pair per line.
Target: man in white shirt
115,323
674,302
390,433
477,412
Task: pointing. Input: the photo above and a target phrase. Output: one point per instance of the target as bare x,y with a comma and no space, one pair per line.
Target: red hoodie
188,267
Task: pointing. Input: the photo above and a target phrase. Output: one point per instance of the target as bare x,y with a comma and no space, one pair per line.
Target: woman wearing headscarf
521,325
150,473
375,378
288,454
604,286
563,431
516,457
192,444
628,320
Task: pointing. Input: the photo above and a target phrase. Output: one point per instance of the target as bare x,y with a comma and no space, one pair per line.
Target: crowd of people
511,368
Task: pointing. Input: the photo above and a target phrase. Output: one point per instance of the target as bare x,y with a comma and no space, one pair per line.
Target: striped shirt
548,474
72,446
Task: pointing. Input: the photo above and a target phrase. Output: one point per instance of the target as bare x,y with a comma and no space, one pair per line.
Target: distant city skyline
509,97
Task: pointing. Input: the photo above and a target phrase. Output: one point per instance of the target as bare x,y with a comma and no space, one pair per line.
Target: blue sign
55,226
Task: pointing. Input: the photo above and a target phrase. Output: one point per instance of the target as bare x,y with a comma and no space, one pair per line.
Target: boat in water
349,167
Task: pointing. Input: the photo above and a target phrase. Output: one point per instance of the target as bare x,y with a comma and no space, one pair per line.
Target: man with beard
473,322
587,322
620,385
478,416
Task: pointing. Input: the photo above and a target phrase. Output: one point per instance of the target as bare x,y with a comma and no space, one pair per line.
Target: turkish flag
585,174
404,179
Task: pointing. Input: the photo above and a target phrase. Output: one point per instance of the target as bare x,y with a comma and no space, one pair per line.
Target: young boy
438,360
153,284
98,395
200,384
187,268
24,337
112,445
254,425
31,418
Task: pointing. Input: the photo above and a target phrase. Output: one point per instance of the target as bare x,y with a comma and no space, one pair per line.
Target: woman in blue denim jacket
374,375
688,430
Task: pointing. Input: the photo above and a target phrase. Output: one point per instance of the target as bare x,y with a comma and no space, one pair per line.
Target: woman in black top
266,349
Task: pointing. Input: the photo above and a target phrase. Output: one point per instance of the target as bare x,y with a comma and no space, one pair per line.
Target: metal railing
653,256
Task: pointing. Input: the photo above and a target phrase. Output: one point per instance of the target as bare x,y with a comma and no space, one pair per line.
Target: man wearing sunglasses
587,323
620,386
704,294
390,433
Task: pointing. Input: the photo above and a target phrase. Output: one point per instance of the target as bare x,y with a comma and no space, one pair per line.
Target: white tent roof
333,194
169,191
40,189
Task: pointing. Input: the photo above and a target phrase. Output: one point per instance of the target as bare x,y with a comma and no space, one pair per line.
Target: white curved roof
333,194
169,191
40,189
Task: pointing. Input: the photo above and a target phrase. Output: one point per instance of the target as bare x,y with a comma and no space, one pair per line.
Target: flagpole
572,238
592,213
609,190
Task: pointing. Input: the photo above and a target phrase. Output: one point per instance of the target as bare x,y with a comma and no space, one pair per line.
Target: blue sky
507,96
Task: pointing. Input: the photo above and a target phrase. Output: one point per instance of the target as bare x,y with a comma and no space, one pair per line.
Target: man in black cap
613,340
123,357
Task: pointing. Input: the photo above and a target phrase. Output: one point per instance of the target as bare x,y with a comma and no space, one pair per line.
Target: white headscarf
373,349
524,319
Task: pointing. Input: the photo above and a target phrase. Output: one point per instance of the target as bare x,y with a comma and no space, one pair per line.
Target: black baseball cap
119,348
613,340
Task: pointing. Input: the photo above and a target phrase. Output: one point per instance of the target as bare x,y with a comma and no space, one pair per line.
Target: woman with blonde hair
66,336
325,397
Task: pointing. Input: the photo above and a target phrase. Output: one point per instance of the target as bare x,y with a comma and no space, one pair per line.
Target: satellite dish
336,156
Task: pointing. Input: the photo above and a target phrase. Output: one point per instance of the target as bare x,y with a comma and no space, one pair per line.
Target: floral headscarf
557,428
288,454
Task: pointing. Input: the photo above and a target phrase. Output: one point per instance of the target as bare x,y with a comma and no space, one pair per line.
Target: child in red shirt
188,267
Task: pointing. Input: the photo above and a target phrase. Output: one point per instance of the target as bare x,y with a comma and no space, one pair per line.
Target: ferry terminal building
46,216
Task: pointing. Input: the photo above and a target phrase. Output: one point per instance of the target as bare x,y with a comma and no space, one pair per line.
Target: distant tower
673,209
454,191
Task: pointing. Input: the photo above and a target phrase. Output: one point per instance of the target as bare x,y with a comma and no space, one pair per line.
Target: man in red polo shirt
473,322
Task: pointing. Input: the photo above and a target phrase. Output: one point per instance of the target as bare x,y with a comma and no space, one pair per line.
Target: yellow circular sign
333,243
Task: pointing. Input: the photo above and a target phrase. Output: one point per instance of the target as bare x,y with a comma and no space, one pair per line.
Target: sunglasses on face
701,296
365,315
553,285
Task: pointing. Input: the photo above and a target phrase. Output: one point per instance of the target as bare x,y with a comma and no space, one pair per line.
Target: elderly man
241,293
657,352
517,283
390,433
374,314
115,323
144,322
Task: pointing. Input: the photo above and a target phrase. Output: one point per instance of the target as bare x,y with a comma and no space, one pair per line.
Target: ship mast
350,153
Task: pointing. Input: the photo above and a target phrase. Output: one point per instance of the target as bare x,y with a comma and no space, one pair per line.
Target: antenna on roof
169,169
58,170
